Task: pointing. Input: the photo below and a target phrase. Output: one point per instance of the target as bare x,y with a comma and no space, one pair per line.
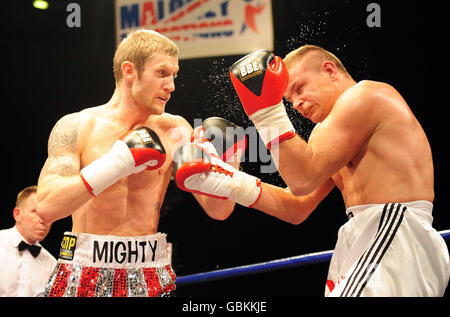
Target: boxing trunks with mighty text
92,265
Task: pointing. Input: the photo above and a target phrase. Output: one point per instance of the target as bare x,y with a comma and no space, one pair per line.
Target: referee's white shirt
21,274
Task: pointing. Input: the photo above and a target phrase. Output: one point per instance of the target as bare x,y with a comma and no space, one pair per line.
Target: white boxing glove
198,169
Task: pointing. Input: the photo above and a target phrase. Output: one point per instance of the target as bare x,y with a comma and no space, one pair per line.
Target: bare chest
102,137
355,172
131,205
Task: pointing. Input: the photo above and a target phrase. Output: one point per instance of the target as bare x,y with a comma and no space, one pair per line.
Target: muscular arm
333,144
61,190
274,201
282,204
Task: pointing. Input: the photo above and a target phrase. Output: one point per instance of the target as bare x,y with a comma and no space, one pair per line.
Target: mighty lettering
120,252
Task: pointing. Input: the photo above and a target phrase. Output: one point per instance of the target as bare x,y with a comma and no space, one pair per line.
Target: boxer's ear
330,68
129,72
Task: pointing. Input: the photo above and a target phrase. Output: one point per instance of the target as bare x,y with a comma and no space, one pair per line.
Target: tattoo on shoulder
61,147
64,134
59,166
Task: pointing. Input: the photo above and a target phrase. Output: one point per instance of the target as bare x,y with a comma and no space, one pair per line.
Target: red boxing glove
260,80
198,169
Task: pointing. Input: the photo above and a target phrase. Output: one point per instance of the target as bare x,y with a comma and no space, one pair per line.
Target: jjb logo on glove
249,70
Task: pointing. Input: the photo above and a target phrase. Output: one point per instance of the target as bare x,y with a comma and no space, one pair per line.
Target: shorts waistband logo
68,246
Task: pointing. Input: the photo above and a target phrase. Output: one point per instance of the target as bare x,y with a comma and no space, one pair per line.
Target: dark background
50,70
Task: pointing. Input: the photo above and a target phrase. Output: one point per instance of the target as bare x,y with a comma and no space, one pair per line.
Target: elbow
297,191
43,210
301,189
220,213
304,183
295,222
300,214
219,217
297,219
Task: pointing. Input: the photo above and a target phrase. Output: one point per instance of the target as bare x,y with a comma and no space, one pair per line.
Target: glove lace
220,169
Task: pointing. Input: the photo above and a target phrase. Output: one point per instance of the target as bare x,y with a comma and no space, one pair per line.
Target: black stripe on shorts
390,221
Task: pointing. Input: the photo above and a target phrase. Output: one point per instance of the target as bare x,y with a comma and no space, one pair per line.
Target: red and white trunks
97,266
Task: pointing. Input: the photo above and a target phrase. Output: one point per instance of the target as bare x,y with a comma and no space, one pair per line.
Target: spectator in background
25,265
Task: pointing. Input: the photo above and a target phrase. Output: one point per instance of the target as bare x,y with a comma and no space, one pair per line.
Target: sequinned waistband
114,251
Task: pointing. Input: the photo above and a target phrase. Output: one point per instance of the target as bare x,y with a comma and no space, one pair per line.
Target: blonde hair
24,194
321,55
137,47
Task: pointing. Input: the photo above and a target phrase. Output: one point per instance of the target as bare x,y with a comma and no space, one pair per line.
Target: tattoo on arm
60,167
62,148
63,136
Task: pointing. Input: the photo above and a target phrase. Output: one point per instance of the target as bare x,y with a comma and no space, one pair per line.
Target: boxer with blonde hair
109,168
368,143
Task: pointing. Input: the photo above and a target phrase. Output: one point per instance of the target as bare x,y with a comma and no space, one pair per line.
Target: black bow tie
34,249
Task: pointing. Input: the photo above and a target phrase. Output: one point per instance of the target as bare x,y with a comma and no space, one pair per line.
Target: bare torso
394,164
131,206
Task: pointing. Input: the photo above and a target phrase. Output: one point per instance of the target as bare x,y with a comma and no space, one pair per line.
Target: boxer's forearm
280,202
296,164
58,197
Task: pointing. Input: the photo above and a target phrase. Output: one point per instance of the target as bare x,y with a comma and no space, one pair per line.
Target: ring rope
295,261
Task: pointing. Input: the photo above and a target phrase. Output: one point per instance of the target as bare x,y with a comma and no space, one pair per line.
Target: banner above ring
201,28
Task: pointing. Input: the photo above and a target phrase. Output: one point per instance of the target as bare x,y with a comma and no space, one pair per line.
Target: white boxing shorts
389,250
92,265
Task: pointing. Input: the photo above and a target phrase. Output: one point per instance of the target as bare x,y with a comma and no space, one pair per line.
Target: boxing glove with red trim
138,150
260,80
198,169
